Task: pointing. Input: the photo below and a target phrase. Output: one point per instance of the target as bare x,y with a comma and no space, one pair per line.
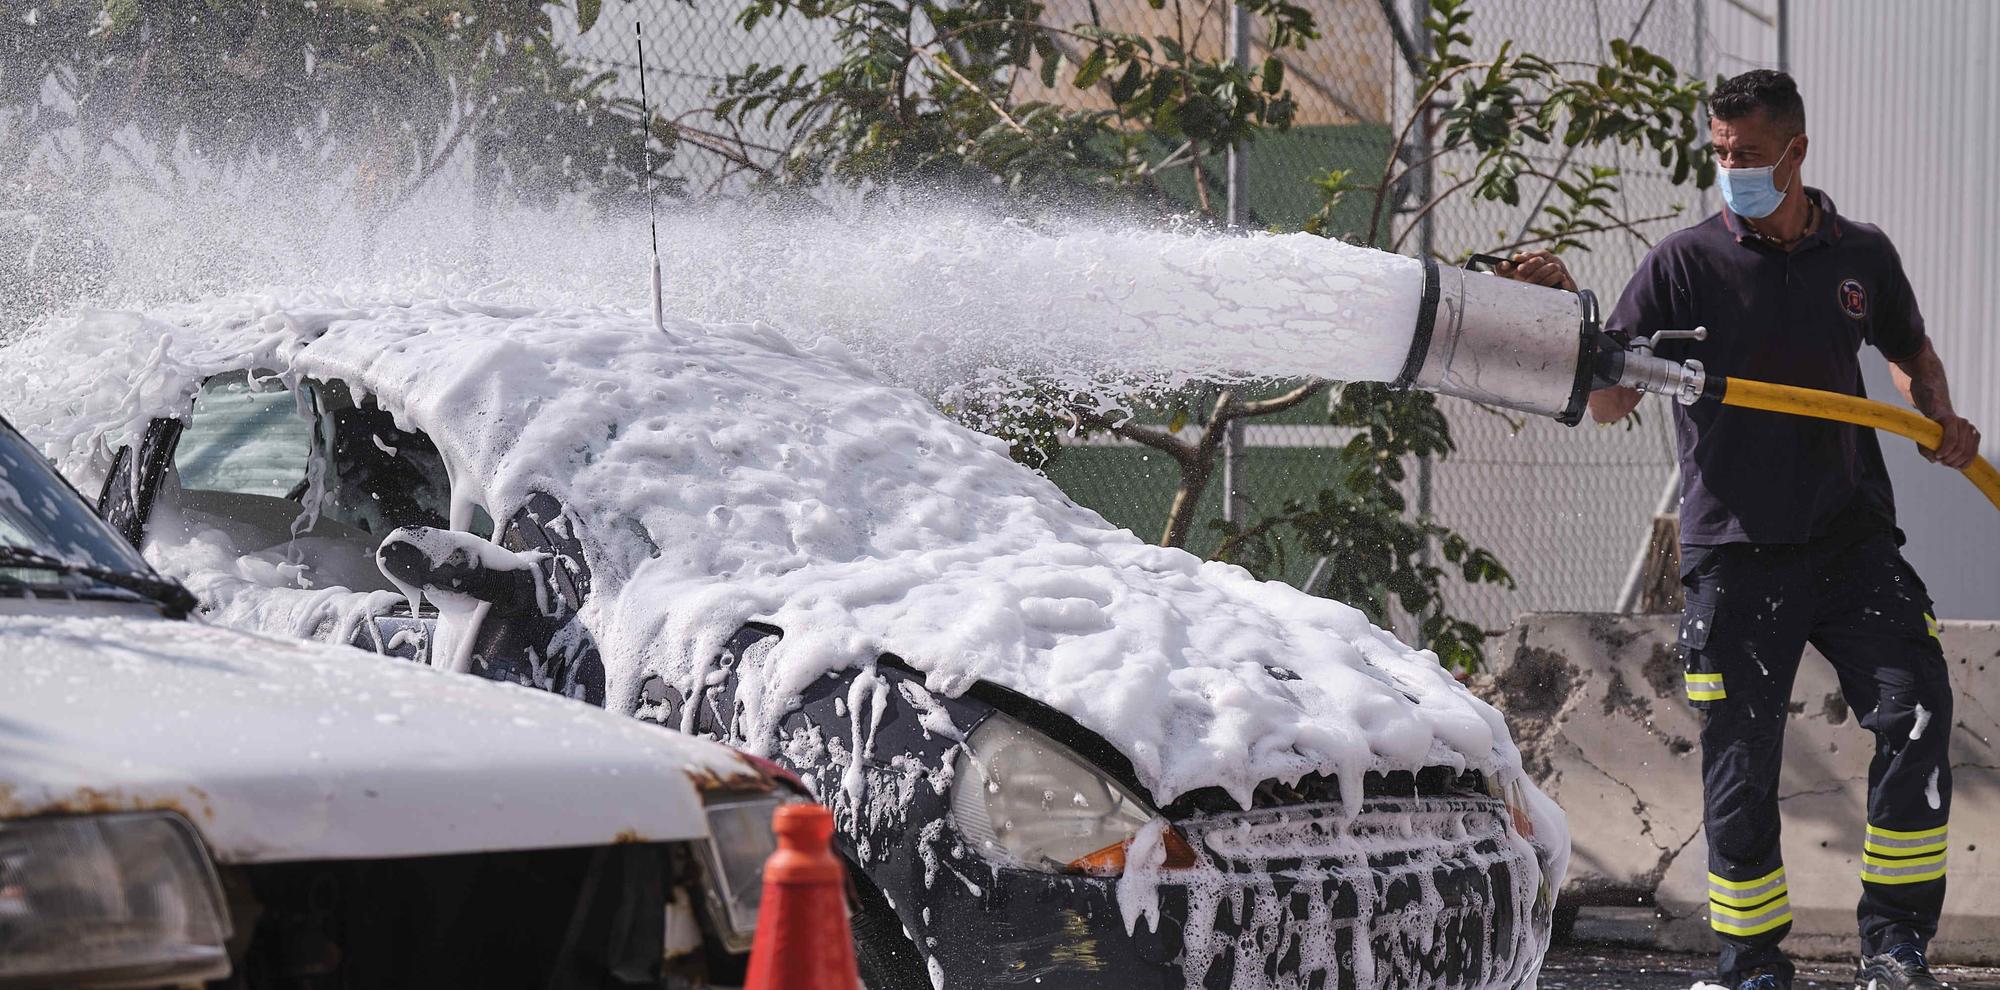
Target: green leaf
1092,70
1050,66
1127,85
1179,420
1274,75
586,14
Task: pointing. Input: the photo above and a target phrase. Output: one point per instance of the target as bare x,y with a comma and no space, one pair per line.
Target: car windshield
42,516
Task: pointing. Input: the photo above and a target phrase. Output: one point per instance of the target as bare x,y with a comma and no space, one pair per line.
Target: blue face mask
1750,192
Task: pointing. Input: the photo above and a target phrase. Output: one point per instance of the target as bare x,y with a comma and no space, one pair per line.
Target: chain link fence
1566,510
691,49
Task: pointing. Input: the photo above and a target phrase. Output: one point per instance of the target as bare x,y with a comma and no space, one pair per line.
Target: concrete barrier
1596,703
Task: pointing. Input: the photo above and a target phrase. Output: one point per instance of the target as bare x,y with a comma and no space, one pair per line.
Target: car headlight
121,898
739,841
1024,799
1516,801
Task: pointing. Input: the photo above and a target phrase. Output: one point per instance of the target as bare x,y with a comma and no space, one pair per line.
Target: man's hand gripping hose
1636,366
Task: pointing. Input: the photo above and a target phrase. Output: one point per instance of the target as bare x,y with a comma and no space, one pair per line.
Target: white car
1057,755
182,802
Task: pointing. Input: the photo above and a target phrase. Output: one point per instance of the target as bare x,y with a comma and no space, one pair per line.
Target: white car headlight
1024,799
739,841
123,898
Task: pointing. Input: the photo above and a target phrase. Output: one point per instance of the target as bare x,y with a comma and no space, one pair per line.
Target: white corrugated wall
1903,107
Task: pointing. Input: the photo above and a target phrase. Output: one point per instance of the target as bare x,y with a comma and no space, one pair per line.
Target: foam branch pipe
1541,350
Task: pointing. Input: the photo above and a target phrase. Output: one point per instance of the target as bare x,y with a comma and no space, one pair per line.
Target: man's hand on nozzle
1959,446
1539,268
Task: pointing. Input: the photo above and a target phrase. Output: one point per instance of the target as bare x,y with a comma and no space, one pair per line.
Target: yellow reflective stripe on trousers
1888,842
1740,901
1931,626
1913,869
1741,894
1705,687
1751,921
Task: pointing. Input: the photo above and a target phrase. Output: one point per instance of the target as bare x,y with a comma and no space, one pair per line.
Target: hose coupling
1684,382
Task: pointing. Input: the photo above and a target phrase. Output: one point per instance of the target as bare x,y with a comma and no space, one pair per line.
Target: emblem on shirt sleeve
1853,299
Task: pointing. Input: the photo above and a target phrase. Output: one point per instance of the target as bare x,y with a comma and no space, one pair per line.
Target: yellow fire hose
1851,409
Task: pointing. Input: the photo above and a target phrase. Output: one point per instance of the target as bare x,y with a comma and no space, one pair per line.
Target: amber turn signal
1110,860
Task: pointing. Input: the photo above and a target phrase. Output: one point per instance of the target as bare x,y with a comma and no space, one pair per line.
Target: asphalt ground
1608,966
1612,950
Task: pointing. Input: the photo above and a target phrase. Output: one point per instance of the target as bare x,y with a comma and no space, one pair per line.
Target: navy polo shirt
1794,317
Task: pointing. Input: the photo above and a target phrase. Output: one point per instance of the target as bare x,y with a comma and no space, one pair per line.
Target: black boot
1764,979
1901,968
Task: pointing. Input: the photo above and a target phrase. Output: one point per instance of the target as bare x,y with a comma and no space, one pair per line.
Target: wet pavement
1606,966
1611,952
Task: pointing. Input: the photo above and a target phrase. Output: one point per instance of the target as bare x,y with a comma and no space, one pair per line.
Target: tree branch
975,87
1278,403
1397,245
1403,134
1155,437
1196,471
1094,41
1596,228
713,144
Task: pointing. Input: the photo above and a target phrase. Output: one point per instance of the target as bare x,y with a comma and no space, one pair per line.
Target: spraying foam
949,298
957,302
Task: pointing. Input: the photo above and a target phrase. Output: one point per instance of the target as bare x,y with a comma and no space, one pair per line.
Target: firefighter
1788,533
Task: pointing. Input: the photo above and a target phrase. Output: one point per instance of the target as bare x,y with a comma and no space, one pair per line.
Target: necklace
1812,224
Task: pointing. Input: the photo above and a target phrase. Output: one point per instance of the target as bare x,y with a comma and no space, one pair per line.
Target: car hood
281,750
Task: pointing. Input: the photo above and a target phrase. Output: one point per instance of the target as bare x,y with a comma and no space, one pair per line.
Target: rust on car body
747,779
191,803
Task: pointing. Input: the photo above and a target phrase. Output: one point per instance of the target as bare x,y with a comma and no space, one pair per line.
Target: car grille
517,918
1316,788
1424,893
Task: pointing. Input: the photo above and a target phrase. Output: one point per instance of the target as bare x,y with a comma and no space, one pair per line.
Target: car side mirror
453,562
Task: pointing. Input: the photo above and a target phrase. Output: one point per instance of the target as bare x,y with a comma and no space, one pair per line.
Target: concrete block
1595,702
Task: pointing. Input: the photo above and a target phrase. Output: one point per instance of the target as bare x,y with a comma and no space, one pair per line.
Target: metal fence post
1784,36
1238,216
1426,247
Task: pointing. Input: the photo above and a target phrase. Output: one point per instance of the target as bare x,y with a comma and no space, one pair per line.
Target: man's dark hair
1767,90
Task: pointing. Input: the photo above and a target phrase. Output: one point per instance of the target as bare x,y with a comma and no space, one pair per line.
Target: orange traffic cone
802,936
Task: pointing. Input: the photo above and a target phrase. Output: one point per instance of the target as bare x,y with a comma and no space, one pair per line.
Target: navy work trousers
1751,610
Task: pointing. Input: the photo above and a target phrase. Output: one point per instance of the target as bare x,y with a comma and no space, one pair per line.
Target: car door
130,486
551,650
293,487
259,496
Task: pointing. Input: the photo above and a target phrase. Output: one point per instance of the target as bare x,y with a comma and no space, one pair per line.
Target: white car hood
280,750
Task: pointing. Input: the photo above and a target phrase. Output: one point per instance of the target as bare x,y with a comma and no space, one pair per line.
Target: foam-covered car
1058,756
182,803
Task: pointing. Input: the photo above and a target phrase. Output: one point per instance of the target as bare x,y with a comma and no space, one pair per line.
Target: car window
307,480
250,465
246,436
381,476
41,514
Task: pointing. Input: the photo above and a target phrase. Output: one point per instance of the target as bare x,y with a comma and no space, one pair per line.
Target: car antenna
652,214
